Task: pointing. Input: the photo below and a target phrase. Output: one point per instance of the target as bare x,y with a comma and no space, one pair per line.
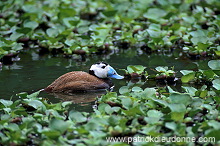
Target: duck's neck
108,81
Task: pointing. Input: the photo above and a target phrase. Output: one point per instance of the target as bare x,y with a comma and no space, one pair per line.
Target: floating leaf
126,102
171,125
66,103
58,125
155,14
17,47
135,69
154,31
22,94
124,89
66,12
149,93
180,98
161,69
137,89
216,84
71,21
34,95
6,103
177,107
214,64
185,72
198,36
188,77
53,134
12,127
15,35
213,135
214,124
31,24
36,104
154,113
52,32
109,13
77,117
24,30
190,90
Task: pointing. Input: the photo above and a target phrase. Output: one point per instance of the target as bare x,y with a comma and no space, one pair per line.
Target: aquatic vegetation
202,76
189,27
164,74
31,120
85,27
135,71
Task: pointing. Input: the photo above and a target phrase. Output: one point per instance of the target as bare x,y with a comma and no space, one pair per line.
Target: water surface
34,72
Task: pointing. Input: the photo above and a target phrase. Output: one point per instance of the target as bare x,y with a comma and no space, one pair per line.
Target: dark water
33,72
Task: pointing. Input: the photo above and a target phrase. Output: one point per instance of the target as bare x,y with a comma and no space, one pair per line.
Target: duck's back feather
77,81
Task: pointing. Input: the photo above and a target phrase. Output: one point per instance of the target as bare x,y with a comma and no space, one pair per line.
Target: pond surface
34,72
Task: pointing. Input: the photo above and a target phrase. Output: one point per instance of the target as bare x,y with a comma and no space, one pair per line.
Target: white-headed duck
79,81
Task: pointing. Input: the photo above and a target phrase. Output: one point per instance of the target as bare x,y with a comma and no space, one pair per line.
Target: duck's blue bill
113,74
116,76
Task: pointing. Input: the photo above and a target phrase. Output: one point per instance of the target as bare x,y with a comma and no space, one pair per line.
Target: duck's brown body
78,81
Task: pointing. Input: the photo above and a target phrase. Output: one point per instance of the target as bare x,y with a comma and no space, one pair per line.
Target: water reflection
81,101
79,98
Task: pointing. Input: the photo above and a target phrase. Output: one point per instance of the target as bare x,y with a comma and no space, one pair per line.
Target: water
34,72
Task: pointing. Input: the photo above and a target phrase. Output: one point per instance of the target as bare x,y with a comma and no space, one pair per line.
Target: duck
98,78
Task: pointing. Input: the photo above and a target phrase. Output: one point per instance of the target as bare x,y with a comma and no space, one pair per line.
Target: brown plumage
78,81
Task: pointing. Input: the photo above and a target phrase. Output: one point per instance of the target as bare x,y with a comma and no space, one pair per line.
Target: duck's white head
104,70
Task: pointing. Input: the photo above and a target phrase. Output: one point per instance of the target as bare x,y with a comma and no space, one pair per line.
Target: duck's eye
103,66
